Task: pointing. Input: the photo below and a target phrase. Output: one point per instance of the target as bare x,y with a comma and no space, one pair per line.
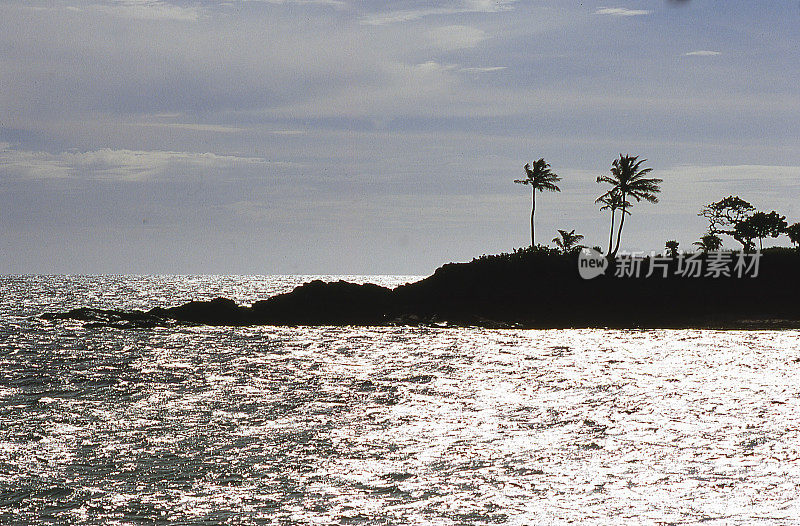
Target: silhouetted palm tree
628,179
672,248
709,243
567,241
540,178
612,200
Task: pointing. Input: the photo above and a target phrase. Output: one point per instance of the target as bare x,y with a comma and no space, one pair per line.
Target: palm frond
548,186
540,176
606,179
612,200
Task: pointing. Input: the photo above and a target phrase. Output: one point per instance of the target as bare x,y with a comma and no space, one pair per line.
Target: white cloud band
621,11
112,165
702,53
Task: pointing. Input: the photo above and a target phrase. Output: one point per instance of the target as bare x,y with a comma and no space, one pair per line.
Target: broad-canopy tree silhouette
672,248
540,178
793,231
568,241
709,243
612,200
760,225
628,180
724,215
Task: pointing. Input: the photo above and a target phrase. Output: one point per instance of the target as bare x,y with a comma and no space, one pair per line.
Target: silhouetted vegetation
793,231
612,200
724,215
540,178
709,243
628,180
540,286
672,248
568,242
520,254
731,216
532,287
735,217
760,225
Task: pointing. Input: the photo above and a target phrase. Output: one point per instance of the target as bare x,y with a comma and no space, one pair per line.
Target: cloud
621,11
435,67
213,128
488,69
466,6
339,4
451,38
145,10
164,10
432,66
702,53
287,133
112,165
66,64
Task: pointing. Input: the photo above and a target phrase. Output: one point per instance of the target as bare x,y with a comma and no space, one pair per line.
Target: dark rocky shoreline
527,289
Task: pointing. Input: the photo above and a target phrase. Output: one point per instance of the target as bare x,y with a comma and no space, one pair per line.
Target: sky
373,137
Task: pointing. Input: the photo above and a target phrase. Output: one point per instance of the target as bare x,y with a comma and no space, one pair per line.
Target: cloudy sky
358,136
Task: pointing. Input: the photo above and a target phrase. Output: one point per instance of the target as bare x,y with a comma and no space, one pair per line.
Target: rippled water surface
340,425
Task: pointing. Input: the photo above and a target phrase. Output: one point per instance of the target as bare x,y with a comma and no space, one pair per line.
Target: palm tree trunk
611,234
619,233
533,210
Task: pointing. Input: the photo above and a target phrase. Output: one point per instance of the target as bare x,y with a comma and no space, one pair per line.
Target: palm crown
628,179
612,200
540,177
709,242
567,241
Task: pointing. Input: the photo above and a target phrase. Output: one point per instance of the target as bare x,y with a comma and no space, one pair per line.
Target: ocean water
383,425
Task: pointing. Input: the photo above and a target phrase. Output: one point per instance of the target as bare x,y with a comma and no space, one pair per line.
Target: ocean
383,425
